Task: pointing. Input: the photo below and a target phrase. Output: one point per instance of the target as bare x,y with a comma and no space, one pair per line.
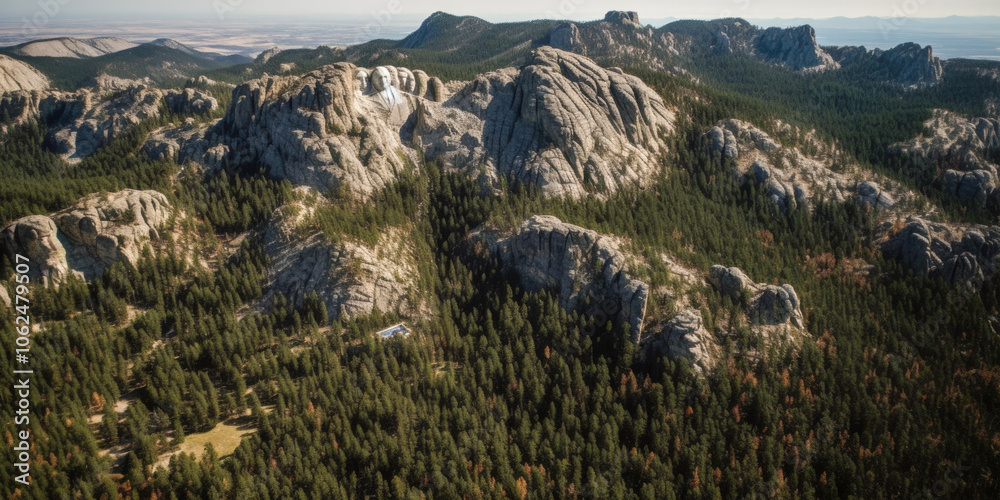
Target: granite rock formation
560,122
587,270
17,75
765,304
350,278
92,234
965,254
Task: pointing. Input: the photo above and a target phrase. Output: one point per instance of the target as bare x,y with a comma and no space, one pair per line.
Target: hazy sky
207,10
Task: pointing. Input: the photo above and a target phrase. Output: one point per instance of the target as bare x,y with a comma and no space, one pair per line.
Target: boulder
684,336
871,194
765,304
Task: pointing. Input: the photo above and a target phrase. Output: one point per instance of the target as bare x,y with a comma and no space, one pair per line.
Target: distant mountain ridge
83,48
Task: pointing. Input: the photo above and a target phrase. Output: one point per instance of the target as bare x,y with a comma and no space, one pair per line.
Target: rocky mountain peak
628,18
794,47
560,122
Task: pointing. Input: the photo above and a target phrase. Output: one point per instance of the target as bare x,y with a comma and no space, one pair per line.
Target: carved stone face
406,80
362,77
381,80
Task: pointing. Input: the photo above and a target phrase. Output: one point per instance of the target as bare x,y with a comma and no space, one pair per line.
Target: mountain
76,48
16,75
163,65
211,56
505,260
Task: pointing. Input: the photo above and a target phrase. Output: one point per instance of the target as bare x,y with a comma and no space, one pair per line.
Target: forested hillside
892,391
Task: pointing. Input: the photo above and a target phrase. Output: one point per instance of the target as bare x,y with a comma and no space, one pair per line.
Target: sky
407,10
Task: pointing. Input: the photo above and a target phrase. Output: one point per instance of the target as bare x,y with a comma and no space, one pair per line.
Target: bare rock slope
17,75
582,265
92,234
560,121
351,278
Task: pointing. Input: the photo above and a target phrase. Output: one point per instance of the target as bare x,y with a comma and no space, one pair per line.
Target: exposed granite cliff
582,266
92,234
351,278
560,122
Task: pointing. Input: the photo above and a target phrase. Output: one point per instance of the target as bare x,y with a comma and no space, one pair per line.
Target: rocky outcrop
190,101
582,266
790,178
870,194
958,147
618,40
628,18
685,337
317,130
86,238
965,254
35,237
350,278
723,141
80,123
266,55
566,36
765,304
795,48
560,122
913,65
16,75
907,64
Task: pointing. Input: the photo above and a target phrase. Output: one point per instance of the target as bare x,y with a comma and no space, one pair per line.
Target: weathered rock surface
951,140
964,254
317,130
81,123
583,266
190,101
86,238
795,48
350,278
17,75
35,237
684,336
560,122
628,18
765,304
907,64
266,55
872,195
793,180
618,40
